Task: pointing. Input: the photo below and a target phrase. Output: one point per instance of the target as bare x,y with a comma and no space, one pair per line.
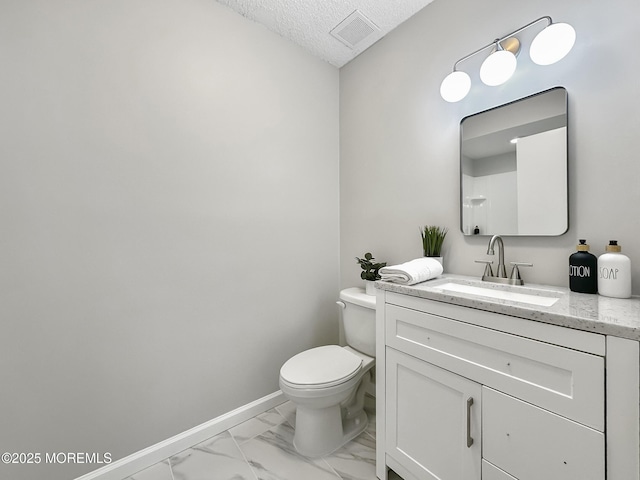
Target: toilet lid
321,366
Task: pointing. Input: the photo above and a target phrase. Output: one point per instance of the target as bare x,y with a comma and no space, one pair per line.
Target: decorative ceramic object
370,288
370,271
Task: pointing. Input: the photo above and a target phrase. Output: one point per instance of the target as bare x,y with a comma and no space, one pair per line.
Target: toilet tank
359,319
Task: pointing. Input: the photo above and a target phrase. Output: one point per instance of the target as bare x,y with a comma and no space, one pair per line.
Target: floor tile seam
244,457
373,437
284,420
324,459
281,414
288,423
168,459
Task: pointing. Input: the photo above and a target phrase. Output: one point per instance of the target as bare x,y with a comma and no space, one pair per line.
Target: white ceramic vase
439,259
369,287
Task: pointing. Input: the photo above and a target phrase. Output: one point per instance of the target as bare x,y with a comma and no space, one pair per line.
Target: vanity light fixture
553,43
498,67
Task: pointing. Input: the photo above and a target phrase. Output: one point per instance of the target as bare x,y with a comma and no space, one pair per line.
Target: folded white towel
414,271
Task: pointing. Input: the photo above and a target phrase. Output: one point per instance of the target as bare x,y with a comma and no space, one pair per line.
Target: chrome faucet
501,272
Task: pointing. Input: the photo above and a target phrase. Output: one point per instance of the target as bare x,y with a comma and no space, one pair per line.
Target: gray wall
166,167
399,139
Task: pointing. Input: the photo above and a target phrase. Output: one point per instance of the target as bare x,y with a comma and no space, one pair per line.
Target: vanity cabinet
467,394
434,438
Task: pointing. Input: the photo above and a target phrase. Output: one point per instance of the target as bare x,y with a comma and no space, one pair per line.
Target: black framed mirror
513,168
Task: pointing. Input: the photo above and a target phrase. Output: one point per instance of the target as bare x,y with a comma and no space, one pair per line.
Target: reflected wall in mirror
513,168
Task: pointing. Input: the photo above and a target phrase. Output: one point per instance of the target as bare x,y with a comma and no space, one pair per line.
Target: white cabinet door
433,419
532,444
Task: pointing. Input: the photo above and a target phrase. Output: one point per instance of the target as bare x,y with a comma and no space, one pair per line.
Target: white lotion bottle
614,272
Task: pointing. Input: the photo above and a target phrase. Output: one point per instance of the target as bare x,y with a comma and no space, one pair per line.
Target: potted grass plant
370,271
432,240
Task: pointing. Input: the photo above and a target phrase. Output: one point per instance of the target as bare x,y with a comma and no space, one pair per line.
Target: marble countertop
592,313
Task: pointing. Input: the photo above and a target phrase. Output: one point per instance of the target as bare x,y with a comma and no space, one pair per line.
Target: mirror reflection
513,168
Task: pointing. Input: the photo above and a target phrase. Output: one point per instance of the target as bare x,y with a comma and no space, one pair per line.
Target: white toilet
327,384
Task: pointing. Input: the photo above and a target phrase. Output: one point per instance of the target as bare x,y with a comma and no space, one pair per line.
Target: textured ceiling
309,22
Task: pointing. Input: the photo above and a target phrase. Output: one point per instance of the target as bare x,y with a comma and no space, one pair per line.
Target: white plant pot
439,259
369,287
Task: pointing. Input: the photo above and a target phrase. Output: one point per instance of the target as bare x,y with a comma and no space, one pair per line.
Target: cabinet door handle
469,439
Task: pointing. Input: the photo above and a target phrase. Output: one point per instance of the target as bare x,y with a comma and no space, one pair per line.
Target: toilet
328,384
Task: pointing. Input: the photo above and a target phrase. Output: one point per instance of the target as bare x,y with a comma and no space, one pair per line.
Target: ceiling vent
354,29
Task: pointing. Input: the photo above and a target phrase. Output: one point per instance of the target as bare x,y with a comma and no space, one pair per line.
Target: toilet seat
320,367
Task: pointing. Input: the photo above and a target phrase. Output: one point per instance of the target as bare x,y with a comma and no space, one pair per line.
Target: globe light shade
498,68
455,86
552,44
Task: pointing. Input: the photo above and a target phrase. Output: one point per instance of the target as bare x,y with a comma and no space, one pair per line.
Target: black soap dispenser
583,270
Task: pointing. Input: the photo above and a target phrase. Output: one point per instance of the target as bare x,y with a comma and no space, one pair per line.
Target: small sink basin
529,295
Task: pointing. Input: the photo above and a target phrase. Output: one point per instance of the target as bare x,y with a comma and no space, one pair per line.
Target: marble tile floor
261,449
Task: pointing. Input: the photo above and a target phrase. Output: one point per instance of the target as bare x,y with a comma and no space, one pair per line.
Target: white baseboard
125,467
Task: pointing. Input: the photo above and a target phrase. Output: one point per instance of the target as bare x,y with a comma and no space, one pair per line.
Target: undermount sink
529,295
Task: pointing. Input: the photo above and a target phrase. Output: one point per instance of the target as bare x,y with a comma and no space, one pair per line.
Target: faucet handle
515,272
488,272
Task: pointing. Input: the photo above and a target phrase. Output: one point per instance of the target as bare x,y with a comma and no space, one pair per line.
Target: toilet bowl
327,384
